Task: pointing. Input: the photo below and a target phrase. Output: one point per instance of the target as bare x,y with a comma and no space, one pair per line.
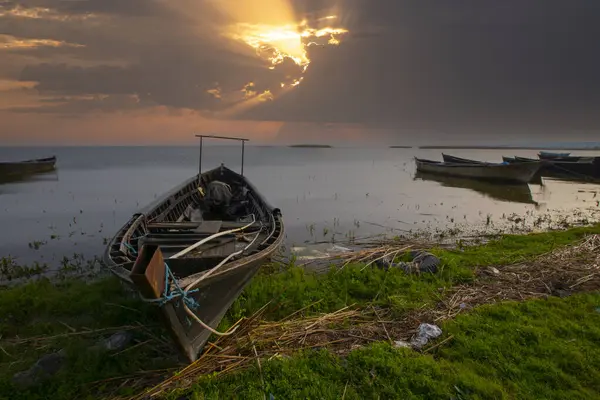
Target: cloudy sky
158,71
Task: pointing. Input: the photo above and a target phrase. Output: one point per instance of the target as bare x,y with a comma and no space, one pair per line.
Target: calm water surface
323,193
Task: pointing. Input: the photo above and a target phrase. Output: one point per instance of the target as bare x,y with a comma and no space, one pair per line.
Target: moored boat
564,157
458,160
15,169
582,170
194,250
551,155
517,172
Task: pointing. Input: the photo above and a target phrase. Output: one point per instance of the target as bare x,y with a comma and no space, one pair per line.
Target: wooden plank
225,225
210,227
148,272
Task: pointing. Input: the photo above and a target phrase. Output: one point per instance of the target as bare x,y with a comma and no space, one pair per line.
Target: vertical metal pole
243,157
200,159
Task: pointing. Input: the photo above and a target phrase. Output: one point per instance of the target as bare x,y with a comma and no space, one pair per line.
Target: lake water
324,194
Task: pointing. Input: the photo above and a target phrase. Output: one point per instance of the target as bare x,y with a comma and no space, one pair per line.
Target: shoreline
542,148
348,302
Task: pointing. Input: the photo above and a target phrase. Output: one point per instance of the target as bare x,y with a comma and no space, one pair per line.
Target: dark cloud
78,7
75,106
432,63
461,63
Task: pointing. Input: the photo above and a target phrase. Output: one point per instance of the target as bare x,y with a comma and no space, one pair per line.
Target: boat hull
586,168
12,170
518,172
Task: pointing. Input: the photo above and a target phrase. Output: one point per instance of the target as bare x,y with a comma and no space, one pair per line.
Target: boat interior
199,224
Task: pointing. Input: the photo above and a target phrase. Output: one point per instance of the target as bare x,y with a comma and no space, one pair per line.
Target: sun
276,44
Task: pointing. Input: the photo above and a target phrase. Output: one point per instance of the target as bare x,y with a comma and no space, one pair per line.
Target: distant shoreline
401,147
316,146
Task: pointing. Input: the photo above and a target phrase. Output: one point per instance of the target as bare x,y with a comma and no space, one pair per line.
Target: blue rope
177,292
130,247
167,295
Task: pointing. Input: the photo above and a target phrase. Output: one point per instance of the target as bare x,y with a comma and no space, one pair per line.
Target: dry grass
559,273
370,251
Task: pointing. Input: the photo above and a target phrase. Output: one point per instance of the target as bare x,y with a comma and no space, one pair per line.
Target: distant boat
516,159
584,168
517,172
193,251
16,169
458,160
547,155
561,157
537,178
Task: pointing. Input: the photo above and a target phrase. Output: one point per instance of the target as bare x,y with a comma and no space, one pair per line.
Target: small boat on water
537,178
547,155
15,169
517,172
193,251
565,157
584,168
458,160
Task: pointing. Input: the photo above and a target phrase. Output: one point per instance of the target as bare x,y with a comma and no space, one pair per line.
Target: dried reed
563,271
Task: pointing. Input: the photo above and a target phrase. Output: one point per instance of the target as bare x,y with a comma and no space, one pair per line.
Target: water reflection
514,193
39,177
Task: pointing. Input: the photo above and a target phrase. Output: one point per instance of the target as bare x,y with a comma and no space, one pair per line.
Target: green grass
297,288
43,308
491,348
537,349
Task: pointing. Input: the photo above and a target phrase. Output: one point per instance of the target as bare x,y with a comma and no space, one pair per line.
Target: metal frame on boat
194,270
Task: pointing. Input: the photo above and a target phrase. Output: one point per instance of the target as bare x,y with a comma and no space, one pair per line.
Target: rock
422,262
44,368
426,262
118,341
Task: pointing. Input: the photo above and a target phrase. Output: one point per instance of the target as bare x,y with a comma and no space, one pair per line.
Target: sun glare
276,44
277,37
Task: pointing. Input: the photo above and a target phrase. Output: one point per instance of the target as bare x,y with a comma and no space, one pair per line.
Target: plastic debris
338,249
424,334
422,262
402,343
493,271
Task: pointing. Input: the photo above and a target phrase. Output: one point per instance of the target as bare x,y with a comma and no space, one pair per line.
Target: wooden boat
513,193
15,169
565,157
584,168
547,155
518,172
194,250
458,160
537,178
